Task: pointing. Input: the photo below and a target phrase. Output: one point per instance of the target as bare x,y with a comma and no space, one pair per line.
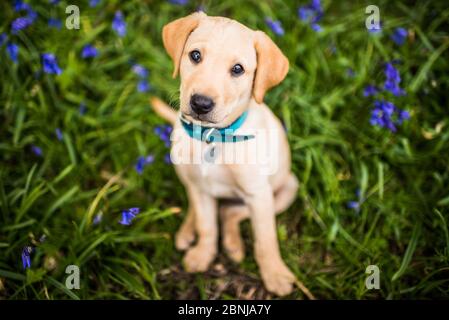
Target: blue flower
167,158
13,52
142,162
93,3
3,38
50,64
26,256
20,24
275,26
82,109
402,116
54,2
119,24
128,215
356,204
370,90
163,132
386,115
37,151
143,86
312,14
179,2
399,35
55,23
89,51
392,80
140,70
97,219
58,134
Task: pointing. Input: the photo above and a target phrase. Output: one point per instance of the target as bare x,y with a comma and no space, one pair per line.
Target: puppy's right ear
175,34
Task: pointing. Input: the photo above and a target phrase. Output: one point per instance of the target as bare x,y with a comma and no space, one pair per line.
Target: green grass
404,177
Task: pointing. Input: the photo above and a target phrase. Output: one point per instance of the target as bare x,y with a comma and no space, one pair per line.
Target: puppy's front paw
234,247
184,238
198,258
278,278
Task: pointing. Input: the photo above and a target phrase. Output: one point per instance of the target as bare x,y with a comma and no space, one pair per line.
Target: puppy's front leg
275,274
199,257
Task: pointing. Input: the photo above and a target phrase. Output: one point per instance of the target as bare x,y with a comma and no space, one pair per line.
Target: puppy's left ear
175,34
272,65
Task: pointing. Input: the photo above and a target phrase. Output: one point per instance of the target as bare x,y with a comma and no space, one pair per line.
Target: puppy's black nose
201,104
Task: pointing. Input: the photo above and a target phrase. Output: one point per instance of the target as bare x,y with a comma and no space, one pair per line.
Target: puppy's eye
195,56
237,70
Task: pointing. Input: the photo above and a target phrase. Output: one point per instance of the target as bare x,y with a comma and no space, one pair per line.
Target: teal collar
209,135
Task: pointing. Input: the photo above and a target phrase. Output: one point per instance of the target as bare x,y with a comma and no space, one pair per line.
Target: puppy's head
222,64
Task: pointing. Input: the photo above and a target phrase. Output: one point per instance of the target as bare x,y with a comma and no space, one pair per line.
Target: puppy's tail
163,110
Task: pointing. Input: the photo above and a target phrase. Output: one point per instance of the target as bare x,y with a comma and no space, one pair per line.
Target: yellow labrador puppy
225,69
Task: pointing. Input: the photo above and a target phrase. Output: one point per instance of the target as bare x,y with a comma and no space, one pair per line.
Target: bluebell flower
13,52
55,23
26,256
3,38
50,64
54,2
93,3
128,215
386,115
140,70
312,14
20,24
119,24
58,133
82,109
89,51
142,162
167,158
399,36
97,219
163,132
179,2
143,86
356,204
37,150
275,26
370,90
19,5
393,80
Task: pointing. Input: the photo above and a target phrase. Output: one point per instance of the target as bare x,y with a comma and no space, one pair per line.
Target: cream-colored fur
223,43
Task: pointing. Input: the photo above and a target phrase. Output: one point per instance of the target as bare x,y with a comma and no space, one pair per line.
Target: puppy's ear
272,65
175,34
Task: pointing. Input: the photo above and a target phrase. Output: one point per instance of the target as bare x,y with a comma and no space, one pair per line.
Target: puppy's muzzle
201,104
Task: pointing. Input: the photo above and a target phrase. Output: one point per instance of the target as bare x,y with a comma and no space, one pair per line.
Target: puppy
225,70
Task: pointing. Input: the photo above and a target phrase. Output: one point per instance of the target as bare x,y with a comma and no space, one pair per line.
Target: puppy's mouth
200,119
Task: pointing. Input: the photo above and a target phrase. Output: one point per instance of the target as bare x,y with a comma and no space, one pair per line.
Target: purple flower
37,151
356,204
128,215
370,90
179,2
3,38
20,24
275,26
142,162
312,14
13,52
392,80
143,86
26,256
58,134
167,158
93,3
140,70
386,115
89,51
97,219
50,64
119,24
399,36
82,109
163,132
55,23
